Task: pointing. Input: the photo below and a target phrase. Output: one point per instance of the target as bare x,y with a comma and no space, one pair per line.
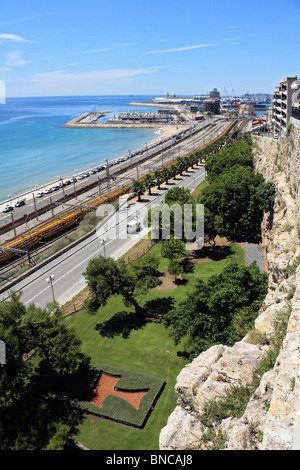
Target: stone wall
270,420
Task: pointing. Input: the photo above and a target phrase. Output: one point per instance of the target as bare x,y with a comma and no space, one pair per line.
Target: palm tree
194,159
181,164
174,171
166,174
139,189
148,180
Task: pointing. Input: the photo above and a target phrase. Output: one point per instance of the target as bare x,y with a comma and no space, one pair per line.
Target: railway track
38,240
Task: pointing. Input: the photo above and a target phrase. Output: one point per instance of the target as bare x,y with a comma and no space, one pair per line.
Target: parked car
20,203
67,182
40,194
81,177
48,190
8,209
73,179
55,188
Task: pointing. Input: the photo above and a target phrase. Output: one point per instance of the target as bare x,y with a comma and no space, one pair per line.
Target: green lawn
147,349
141,347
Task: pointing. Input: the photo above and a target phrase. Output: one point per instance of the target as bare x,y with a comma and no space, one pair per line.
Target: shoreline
165,131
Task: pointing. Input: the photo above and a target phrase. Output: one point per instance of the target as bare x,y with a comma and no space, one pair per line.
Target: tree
206,316
173,171
173,249
181,164
138,188
58,346
232,202
175,269
180,195
158,177
148,180
166,174
228,158
107,277
15,373
266,196
32,407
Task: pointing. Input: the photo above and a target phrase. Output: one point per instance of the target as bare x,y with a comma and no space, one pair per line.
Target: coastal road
68,268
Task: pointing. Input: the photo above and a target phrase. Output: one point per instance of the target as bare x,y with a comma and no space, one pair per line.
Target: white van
133,226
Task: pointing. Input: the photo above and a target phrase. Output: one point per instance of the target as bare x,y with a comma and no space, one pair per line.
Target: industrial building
162,116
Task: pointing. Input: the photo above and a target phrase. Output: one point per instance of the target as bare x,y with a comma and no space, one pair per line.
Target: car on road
8,209
92,172
73,179
81,177
20,203
40,194
55,188
67,182
48,190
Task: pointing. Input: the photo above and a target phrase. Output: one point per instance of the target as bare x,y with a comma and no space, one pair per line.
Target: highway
68,268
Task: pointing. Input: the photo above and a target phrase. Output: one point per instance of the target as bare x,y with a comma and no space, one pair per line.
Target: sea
35,148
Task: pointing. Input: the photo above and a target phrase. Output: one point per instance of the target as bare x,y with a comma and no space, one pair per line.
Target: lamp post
50,281
103,241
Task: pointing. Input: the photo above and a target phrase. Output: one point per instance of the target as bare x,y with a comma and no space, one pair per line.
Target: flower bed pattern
117,394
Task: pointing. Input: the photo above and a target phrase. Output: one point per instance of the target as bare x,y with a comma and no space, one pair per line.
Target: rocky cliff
270,419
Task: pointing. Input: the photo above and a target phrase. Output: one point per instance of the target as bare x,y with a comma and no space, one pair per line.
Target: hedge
116,408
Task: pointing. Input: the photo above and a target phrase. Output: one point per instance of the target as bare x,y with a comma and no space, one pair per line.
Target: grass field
114,336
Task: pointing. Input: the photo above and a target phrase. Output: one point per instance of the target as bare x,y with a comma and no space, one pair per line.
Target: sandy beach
164,132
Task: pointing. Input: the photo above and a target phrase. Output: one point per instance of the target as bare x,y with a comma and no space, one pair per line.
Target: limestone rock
182,432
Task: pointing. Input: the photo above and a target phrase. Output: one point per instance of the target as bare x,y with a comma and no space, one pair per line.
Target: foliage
175,268
266,196
227,158
32,408
173,249
107,277
236,196
138,188
207,315
231,202
158,177
234,402
178,195
148,180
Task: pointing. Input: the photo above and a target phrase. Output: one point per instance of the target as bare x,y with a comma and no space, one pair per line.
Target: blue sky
97,47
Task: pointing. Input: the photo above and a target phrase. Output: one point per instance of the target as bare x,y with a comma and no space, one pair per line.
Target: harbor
168,116
87,119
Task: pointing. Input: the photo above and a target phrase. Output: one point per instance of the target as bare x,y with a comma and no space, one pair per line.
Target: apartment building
247,110
212,105
282,104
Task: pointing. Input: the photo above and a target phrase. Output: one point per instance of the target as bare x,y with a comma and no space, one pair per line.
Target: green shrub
113,407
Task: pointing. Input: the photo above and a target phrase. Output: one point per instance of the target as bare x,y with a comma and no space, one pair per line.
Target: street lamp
103,241
50,281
